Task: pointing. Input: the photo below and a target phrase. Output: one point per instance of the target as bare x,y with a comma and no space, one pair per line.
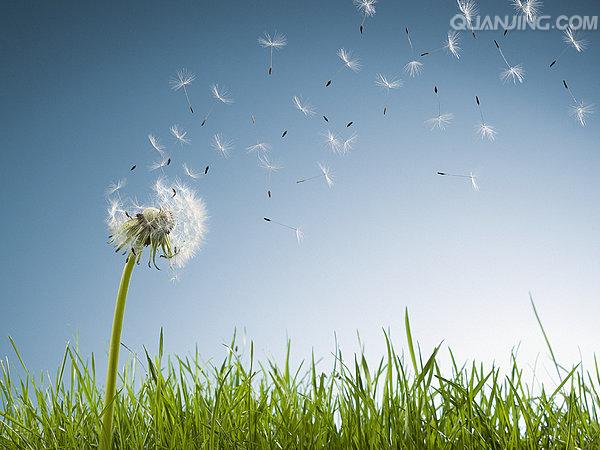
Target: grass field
401,402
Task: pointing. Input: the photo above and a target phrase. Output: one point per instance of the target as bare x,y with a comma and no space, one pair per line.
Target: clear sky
83,83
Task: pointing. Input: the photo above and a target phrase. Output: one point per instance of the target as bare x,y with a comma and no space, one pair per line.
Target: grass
398,403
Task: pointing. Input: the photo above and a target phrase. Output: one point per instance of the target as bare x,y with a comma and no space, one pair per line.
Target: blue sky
83,83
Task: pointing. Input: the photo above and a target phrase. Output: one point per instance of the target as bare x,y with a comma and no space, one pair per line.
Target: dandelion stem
113,353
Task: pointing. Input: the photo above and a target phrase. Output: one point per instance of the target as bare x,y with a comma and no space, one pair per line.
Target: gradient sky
83,83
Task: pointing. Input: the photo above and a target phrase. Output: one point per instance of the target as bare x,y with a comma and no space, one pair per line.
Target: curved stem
113,354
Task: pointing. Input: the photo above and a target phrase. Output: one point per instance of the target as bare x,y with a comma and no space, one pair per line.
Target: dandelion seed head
570,37
172,224
189,172
179,134
189,219
221,95
413,68
332,141
440,121
346,57
268,165
468,8
486,131
326,174
155,142
366,7
473,180
221,145
259,148
348,144
385,83
116,186
159,164
513,73
529,8
452,42
275,42
182,78
304,107
299,235
581,111
116,216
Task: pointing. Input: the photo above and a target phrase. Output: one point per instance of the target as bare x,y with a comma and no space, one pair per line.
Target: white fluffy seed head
179,134
388,83
440,122
220,94
189,216
327,175
570,37
486,131
581,111
513,73
413,68
222,145
366,7
304,107
275,42
452,42
346,57
182,78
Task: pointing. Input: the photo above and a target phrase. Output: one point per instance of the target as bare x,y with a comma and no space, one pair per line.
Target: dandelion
275,42
485,131
387,84
189,172
179,134
297,230
514,73
332,141
442,119
472,178
172,225
348,144
468,9
160,164
222,96
221,145
570,38
182,80
156,145
270,167
326,174
579,109
414,67
260,148
450,44
366,9
529,8
304,107
348,61
116,186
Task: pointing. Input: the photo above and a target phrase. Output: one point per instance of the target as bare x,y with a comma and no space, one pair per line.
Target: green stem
113,354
